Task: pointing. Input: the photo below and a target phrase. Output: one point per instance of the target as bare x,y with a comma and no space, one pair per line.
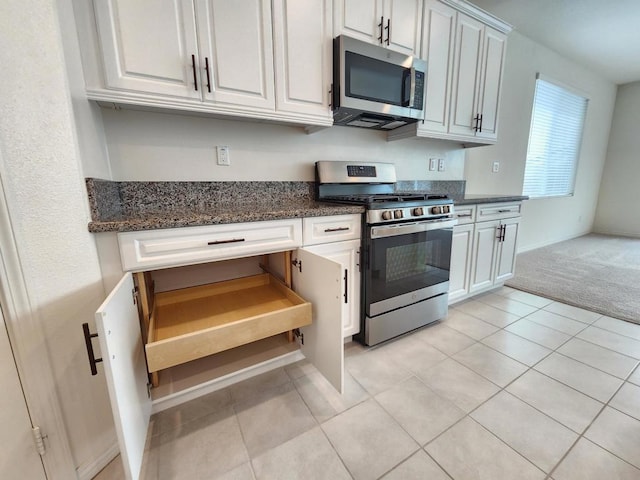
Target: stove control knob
387,215
446,209
416,212
397,214
436,210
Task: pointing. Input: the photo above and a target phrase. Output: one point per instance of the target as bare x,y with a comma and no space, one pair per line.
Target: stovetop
373,186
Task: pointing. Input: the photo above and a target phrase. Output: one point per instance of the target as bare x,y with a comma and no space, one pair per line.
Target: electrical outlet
496,167
223,155
441,164
433,164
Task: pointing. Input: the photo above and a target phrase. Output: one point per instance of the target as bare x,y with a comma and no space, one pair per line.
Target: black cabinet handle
346,286
206,67
233,240
380,25
87,340
388,29
195,73
477,120
480,123
337,229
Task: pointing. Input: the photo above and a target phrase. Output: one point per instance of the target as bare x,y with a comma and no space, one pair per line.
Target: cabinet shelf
195,322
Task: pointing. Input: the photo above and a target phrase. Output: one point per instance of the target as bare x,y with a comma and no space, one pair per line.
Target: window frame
570,90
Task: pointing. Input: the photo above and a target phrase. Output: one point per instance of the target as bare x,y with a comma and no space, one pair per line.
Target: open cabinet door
319,281
125,368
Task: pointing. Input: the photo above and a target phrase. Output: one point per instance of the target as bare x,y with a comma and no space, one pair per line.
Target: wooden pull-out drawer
195,322
336,228
152,249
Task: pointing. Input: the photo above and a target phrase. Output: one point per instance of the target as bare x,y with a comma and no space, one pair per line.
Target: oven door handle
406,228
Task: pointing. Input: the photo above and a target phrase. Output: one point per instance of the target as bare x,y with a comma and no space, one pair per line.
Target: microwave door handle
410,75
412,89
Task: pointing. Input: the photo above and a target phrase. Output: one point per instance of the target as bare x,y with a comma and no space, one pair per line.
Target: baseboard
551,242
91,469
617,233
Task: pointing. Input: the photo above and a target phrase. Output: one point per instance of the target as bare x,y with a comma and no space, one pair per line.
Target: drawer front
496,211
150,249
465,214
335,228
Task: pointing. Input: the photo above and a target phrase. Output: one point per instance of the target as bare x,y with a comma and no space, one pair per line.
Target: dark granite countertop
237,214
471,199
130,206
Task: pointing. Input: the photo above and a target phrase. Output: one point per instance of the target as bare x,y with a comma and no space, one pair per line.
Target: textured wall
550,220
157,146
619,193
44,187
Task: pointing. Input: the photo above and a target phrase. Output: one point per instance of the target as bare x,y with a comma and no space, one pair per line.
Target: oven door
406,263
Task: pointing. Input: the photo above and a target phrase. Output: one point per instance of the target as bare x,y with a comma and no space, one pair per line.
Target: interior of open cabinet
316,280
199,325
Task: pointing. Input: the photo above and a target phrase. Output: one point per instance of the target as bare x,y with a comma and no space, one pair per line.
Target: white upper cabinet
263,59
303,56
403,23
466,75
148,46
493,54
477,79
236,52
394,24
437,48
465,50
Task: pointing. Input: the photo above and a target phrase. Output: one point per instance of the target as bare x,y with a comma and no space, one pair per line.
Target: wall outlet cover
496,167
441,164
223,155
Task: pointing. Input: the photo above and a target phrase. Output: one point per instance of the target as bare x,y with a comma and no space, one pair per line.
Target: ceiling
599,34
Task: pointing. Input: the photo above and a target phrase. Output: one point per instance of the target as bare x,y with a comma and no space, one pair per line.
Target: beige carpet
596,272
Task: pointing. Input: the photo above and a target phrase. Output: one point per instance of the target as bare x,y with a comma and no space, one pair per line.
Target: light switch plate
433,164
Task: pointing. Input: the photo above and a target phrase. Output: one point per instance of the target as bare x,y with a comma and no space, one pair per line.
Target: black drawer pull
504,211
462,215
233,240
87,340
337,229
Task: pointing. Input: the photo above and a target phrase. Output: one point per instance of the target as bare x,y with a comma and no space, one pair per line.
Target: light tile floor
509,386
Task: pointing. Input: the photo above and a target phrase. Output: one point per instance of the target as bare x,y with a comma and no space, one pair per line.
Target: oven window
405,263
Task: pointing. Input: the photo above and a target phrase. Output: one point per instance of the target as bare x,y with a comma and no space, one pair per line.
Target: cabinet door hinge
135,293
297,263
38,440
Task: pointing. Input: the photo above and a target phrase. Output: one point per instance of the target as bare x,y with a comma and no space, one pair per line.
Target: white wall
544,221
44,186
157,146
619,201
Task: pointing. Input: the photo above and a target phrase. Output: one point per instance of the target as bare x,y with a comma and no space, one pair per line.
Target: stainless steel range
406,247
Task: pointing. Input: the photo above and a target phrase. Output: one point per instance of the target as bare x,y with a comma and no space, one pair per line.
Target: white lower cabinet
494,253
235,327
338,238
460,271
347,254
483,253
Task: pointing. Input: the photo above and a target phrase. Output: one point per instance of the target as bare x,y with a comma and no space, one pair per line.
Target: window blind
554,141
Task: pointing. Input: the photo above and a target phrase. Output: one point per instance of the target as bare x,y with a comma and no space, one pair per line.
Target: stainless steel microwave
374,87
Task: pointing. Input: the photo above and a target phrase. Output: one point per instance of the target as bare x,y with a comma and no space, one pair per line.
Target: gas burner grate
383,198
